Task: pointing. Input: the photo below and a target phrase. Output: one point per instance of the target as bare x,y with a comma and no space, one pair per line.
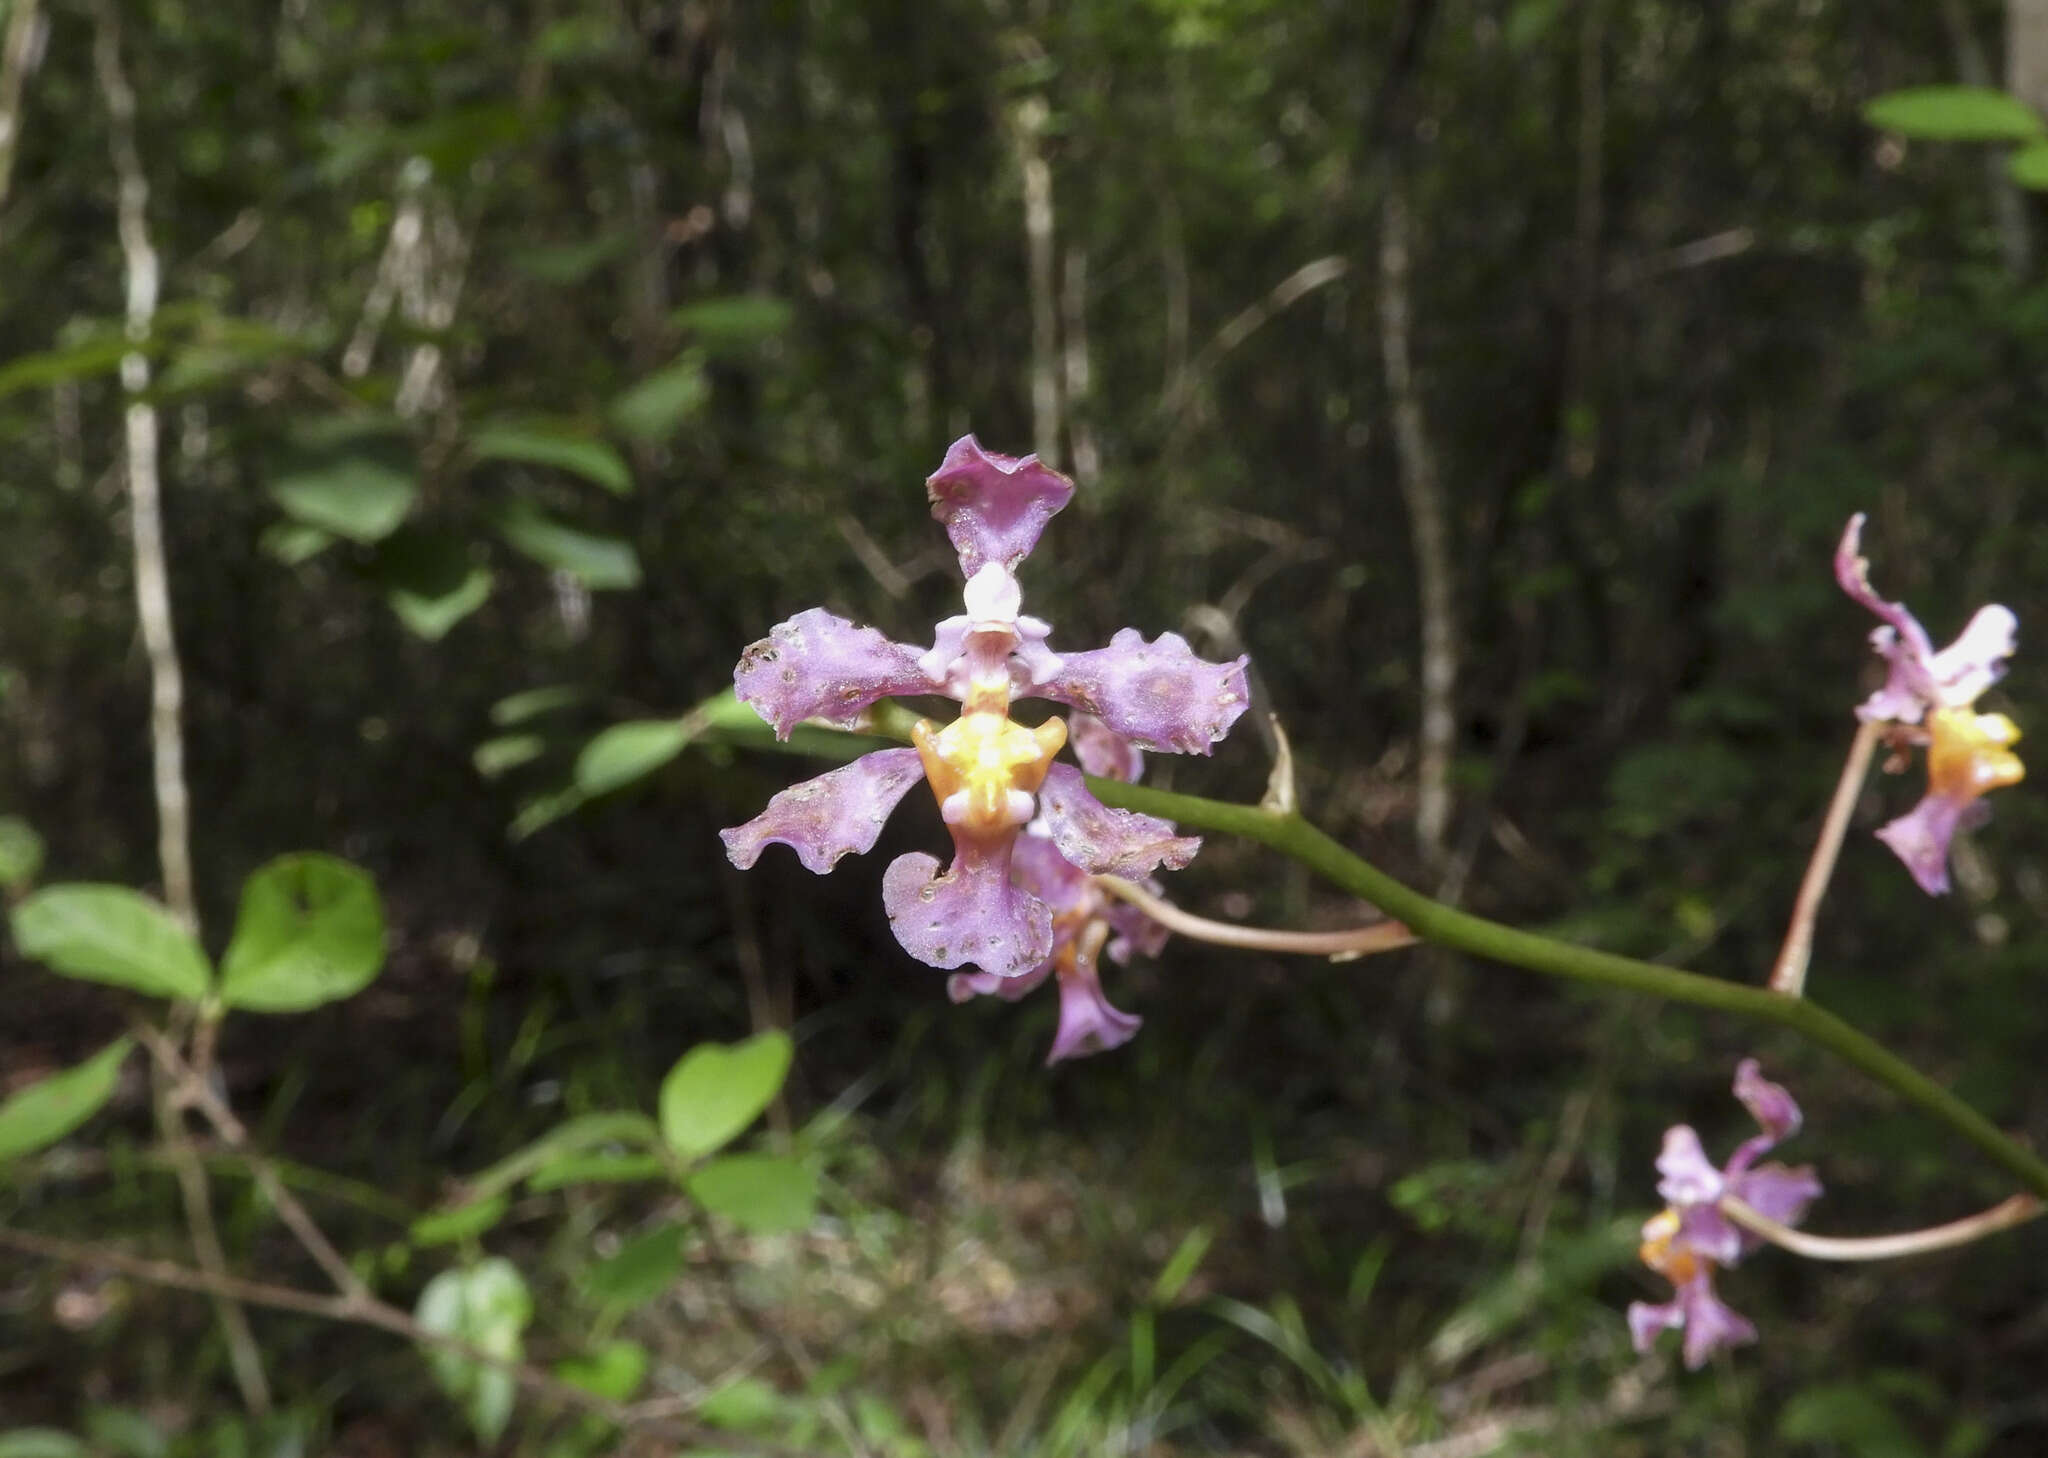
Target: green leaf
465,1222
292,542
763,1194
44,1112
628,752
596,1169
488,1306
600,562
743,1405
614,1370
21,852
1848,1414
431,581
542,811
2029,167
644,1268
99,355
541,443
652,409
114,935
507,752
41,1443
1186,1259
716,1090
532,703
1954,114
310,931
570,263
356,495
735,321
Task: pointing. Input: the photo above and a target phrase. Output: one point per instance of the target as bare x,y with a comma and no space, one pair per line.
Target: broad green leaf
2029,166
44,1112
488,1306
627,752
532,703
736,320
507,752
542,811
716,1090
743,1405
596,1169
652,409
614,1370
1954,114
114,935
99,355
643,1268
430,580
123,1432
570,263
356,495
764,1194
600,562
293,542
21,852
41,1443
310,931
542,443
444,1227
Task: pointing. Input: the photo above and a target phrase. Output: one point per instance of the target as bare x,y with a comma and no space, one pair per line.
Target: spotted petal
994,506
820,666
971,913
1103,841
824,818
1088,1024
962,986
1158,695
1101,750
1922,835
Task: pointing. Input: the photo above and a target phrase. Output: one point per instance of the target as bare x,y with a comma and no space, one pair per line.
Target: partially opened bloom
990,774
1687,1239
1930,697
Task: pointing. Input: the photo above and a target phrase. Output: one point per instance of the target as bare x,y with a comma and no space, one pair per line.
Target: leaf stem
1788,973
2015,1210
1338,946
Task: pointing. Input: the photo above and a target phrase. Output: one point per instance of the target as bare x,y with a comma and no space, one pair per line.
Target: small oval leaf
445,1227
114,935
310,931
355,496
763,1194
1954,114
599,562
21,852
488,1306
540,443
47,1110
627,752
716,1090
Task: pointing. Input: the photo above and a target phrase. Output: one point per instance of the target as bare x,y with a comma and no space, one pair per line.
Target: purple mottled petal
971,913
1909,687
1158,695
1779,1192
1706,1232
1775,1111
818,666
824,818
1710,1324
1135,931
962,986
1088,1024
1921,838
1037,865
1976,660
1688,1179
1646,1322
1102,751
1105,841
994,506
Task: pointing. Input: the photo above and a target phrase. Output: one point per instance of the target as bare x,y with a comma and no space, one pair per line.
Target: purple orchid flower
991,775
1933,696
1083,918
1689,1237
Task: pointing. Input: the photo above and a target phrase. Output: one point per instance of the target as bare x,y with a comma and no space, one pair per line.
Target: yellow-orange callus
984,768
1969,753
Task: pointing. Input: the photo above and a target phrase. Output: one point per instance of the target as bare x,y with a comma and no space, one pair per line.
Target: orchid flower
1687,1239
1084,918
1933,697
990,775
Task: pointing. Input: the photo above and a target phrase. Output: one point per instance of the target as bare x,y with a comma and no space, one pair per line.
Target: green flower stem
1435,922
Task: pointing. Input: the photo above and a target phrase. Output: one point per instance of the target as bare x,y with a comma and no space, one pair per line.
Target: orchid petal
1158,695
1921,837
1976,660
1101,750
1909,687
994,506
1777,1192
1710,1323
1688,1178
970,913
1646,1323
820,666
1103,841
1088,1024
824,818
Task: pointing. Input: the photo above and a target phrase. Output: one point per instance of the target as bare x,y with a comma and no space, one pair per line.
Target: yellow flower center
982,767
1659,1231
1968,753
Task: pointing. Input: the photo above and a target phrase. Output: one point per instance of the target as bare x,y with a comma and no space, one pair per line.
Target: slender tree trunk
1028,125
19,55
2026,64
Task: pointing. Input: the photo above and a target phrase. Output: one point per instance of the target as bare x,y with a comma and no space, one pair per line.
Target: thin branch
1282,296
1338,946
1788,973
2015,1210
1028,122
